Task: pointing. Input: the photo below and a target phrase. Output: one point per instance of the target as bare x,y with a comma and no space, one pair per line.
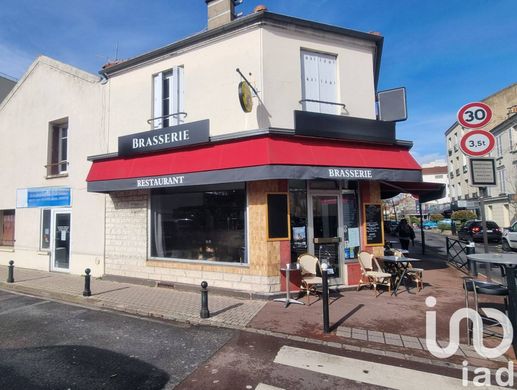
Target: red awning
254,152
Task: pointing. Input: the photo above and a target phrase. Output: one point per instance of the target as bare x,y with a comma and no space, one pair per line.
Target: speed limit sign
474,115
477,143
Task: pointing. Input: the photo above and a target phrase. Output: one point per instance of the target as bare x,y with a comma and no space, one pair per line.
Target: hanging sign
474,115
245,98
477,143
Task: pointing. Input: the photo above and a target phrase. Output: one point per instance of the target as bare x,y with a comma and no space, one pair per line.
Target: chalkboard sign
373,224
278,216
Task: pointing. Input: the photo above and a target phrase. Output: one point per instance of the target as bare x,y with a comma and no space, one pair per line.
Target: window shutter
310,81
157,101
327,83
180,95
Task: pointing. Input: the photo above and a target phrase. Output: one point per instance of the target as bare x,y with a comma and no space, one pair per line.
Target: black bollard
10,272
470,249
325,298
87,291
204,313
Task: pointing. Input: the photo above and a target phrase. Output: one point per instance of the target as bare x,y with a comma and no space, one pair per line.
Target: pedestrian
406,233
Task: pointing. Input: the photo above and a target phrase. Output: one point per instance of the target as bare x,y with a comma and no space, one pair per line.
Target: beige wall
50,91
283,80
268,56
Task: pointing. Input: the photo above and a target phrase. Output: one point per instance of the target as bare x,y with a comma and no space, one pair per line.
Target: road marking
263,386
23,307
367,372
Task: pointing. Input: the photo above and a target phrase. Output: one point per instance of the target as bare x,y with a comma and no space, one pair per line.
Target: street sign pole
482,193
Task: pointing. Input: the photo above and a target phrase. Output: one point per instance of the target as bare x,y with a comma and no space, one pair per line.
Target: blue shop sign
43,197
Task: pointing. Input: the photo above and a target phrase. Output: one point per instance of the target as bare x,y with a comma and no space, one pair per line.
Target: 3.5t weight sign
477,143
474,115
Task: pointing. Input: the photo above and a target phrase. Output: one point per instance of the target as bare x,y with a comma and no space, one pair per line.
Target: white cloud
429,158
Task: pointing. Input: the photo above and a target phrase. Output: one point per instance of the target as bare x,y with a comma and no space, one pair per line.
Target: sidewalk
390,326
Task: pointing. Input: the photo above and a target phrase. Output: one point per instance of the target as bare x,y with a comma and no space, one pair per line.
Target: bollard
87,291
10,272
325,297
204,313
470,249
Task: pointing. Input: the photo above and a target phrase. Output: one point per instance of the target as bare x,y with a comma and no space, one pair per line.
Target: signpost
478,143
474,115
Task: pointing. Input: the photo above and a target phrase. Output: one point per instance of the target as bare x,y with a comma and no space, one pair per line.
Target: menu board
278,216
374,232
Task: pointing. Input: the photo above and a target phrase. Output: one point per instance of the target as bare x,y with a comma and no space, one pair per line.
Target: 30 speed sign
474,115
477,143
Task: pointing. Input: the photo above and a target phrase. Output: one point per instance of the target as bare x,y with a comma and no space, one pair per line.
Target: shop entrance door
326,229
60,240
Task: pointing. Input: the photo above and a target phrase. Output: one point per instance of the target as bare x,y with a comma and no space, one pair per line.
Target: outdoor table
509,262
288,268
402,264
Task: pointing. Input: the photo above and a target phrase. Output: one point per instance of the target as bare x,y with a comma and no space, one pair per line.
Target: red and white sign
477,143
474,115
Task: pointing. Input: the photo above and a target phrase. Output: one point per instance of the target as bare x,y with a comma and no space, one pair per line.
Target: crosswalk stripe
367,372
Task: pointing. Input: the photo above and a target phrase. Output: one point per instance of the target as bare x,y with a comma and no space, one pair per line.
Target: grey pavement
147,301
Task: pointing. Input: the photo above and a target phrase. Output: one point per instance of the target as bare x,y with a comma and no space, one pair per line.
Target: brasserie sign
166,138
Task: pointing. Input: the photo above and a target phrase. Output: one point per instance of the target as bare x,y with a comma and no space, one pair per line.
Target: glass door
60,251
325,230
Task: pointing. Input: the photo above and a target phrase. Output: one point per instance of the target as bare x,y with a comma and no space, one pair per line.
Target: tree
436,217
463,215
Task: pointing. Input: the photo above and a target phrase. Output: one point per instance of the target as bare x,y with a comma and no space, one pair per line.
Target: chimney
220,12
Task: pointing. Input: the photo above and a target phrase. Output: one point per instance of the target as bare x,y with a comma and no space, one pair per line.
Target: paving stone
344,332
375,333
396,355
351,348
359,331
410,339
394,342
376,339
412,345
372,351
359,336
334,345
392,336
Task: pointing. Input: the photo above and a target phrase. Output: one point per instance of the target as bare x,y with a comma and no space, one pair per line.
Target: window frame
176,98
42,219
246,259
2,244
60,166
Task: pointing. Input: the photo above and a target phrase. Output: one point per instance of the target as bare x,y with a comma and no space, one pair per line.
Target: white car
509,239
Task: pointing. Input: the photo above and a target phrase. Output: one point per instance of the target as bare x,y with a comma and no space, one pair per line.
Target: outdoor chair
416,274
371,276
309,268
479,287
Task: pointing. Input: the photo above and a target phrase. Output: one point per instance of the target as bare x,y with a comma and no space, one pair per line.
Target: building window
58,149
45,230
499,145
7,227
199,224
510,138
502,180
319,82
168,98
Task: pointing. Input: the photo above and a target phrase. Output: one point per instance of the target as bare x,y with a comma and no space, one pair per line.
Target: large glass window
202,224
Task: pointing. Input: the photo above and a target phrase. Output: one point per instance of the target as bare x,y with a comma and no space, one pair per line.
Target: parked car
446,221
390,226
430,225
473,231
509,240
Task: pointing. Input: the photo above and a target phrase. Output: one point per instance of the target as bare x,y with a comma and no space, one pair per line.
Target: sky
445,52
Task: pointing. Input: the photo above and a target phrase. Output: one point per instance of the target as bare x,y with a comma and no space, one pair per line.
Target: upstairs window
7,228
499,145
168,98
319,82
58,149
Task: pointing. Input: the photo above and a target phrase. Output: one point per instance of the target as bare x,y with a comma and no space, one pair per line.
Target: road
50,345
